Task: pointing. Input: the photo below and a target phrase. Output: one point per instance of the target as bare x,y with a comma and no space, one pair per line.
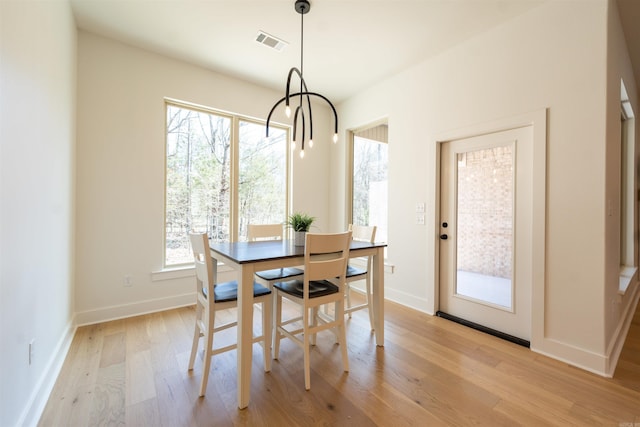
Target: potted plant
300,223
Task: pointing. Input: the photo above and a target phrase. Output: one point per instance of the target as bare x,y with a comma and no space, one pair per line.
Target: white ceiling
348,44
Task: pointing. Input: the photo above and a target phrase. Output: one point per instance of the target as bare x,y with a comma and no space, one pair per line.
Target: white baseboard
620,335
42,390
403,298
572,355
114,312
600,364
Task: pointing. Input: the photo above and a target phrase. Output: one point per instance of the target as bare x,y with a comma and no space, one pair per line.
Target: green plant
300,221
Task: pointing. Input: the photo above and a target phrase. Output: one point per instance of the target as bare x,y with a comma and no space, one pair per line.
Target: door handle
444,237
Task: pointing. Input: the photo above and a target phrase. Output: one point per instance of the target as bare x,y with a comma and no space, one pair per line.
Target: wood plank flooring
431,371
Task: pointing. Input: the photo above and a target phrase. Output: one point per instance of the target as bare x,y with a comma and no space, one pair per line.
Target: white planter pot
299,237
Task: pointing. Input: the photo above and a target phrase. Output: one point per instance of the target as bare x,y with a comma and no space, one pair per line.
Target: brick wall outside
485,211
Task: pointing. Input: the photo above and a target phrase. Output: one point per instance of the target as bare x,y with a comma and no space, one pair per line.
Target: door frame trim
538,121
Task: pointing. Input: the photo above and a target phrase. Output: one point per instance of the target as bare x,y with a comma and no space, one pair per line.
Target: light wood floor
431,371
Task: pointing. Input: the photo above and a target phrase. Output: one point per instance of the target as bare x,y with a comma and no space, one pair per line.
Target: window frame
352,133
234,169
628,257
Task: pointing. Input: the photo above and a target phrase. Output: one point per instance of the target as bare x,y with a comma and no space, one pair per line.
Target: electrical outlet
31,350
127,280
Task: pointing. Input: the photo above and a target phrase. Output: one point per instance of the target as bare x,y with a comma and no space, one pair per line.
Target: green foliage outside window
199,181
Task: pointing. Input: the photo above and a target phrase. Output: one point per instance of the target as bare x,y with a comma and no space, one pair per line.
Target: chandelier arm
310,114
271,112
287,92
303,86
299,111
295,124
303,126
335,114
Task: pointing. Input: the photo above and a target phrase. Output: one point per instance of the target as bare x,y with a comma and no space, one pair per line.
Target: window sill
362,262
172,273
626,274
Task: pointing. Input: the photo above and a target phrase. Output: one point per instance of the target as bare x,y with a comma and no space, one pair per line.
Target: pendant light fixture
303,96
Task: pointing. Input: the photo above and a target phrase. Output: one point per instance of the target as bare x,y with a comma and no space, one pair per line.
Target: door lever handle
444,237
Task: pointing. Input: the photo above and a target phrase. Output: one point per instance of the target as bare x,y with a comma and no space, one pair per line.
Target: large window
221,174
369,179
628,261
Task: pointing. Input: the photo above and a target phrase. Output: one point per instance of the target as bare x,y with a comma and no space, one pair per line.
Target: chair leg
314,323
369,301
307,354
348,297
267,327
277,320
208,350
333,330
196,337
342,334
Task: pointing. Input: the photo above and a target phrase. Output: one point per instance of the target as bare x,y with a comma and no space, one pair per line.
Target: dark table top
246,252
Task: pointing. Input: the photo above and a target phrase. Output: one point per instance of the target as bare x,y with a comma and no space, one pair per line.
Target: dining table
249,257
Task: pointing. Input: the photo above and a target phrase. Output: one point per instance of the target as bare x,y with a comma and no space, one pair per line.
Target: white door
486,204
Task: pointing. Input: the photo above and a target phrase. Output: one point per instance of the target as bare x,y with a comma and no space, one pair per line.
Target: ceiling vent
271,41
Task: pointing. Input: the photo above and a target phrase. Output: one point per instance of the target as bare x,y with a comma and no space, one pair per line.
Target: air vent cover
271,41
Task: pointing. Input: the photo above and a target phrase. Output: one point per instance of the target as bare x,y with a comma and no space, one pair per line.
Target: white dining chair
361,233
212,297
325,266
257,232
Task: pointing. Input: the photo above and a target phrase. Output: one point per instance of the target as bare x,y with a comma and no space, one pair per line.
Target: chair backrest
363,233
326,256
203,262
264,232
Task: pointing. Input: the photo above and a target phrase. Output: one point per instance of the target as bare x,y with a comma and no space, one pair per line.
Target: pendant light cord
301,52
302,44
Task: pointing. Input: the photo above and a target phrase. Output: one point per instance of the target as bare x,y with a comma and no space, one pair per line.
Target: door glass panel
484,250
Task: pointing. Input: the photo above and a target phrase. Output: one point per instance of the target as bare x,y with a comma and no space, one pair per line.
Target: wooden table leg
378,295
245,334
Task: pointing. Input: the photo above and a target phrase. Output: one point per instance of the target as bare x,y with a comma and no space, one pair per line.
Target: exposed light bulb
287,111
335,138
302,154
310,143
293,145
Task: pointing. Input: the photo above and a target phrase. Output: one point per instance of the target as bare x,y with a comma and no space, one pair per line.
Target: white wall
618,308
37,134
515,68
120,170
518,67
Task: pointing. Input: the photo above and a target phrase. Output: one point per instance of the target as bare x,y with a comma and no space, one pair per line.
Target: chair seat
354,271
228,291
279,273
316,288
